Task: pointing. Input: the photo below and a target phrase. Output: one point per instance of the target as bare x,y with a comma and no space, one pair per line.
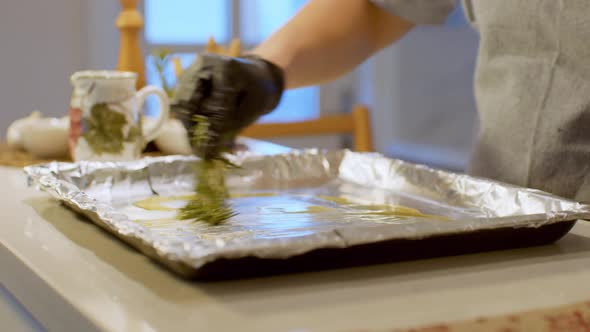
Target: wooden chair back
356,123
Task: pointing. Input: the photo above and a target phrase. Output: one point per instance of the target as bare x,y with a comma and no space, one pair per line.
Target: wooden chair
357,123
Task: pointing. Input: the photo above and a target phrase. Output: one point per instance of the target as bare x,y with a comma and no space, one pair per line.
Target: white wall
41,46
42,43
101,36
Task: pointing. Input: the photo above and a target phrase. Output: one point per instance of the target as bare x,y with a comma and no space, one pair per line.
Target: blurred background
419,90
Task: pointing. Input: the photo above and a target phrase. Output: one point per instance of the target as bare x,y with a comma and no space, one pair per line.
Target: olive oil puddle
272,204
157,203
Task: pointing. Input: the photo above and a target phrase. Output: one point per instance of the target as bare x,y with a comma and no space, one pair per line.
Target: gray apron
533,93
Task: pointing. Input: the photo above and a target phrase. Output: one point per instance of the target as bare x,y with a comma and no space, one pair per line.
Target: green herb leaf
104,132
161,58
210,204
133,134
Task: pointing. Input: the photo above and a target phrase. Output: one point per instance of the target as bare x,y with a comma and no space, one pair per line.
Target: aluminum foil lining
281,224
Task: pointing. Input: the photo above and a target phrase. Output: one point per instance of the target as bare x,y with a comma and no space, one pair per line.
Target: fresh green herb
133,134
104,132
161,58
210,204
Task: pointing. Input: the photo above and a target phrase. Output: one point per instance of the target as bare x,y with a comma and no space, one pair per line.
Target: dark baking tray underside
384,252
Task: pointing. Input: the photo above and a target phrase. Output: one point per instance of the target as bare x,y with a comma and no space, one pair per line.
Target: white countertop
72,276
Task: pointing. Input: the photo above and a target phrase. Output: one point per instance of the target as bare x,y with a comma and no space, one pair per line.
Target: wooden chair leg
363,140
130,23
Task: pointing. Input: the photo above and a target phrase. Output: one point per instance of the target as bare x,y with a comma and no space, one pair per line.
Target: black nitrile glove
230,93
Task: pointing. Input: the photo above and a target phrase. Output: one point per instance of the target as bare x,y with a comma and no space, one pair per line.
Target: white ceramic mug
105,116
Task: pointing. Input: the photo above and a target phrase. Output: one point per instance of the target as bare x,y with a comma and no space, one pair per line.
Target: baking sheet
291,204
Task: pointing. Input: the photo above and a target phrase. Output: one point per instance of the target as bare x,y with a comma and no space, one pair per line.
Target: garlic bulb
14,134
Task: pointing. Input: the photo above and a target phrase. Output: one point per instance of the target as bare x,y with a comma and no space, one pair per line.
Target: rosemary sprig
161,57
210,203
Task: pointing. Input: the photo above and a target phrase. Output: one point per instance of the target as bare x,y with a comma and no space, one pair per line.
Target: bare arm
328,38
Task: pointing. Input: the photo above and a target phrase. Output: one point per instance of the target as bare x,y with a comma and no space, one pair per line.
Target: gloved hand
230,93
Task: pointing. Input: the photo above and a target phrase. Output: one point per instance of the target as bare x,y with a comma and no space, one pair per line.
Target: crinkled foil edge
368,169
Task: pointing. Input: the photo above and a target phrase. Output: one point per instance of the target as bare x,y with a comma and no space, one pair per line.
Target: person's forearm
328,38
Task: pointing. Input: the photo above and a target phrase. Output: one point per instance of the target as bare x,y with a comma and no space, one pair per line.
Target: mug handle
151,133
